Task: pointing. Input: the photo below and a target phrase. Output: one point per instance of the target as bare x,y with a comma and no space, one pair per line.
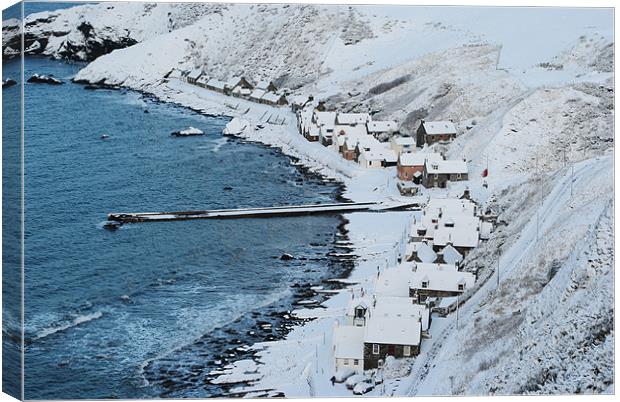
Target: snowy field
531,93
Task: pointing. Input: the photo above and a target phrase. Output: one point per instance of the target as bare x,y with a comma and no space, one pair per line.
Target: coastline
271,370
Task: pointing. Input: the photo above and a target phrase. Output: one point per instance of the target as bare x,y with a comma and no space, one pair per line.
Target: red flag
485,172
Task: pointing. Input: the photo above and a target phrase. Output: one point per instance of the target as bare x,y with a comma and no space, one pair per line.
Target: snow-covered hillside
88,31
531,93
548,326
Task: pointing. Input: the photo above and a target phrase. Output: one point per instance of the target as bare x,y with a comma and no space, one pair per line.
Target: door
390,350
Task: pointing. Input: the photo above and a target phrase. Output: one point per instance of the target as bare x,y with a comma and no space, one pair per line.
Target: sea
149,310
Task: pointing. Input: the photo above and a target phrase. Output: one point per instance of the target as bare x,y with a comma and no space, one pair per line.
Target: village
391,318
354,136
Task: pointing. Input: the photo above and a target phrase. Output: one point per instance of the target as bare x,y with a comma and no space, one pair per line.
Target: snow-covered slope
88,31
531,93
548,326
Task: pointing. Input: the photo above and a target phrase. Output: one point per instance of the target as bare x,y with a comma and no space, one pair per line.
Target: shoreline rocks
44,79
8,83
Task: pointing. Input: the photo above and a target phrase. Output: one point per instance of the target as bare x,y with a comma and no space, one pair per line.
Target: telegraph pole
498,257
572,174
457,312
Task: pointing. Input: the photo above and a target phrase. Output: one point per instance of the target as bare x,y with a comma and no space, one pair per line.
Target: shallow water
120,314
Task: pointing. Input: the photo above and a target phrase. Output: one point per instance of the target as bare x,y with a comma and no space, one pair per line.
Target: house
393,305
447,222
194,75
380,128
348,348
410,163
357,312
397,334
235,82
202,81
184,74
266,86
216,85
312,133
420,252
326,136
394,281
438,280
257,94
342,134
459,231
402,144
241,92
438,173
325,122
407,188
298,102
352,119
272,98
450,255
430,132
375,156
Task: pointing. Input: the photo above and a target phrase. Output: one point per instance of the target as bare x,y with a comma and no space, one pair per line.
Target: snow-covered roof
313,130
439,127
233,82
441,277
394,281
257,93
264,84
462,234
327,119
450,206
394,306
402,140
358,302
446,167
352,118
203,79
348,342
272,97
451,255
215,83
418,158
357,131
195,73
387,126
425,253
242,91
299,99
393,330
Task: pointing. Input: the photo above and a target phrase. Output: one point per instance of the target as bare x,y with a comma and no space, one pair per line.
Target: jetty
264,212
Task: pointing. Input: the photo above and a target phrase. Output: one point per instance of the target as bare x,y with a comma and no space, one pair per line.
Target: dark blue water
149,309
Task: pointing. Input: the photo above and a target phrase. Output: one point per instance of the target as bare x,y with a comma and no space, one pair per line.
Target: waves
63,326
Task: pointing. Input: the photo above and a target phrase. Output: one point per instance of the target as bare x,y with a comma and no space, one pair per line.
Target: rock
8,83
44,79
286,257
188,132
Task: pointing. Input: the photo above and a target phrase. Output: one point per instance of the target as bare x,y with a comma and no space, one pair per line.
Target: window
346,362
424,284
356,362
461,286
375,349
406,350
